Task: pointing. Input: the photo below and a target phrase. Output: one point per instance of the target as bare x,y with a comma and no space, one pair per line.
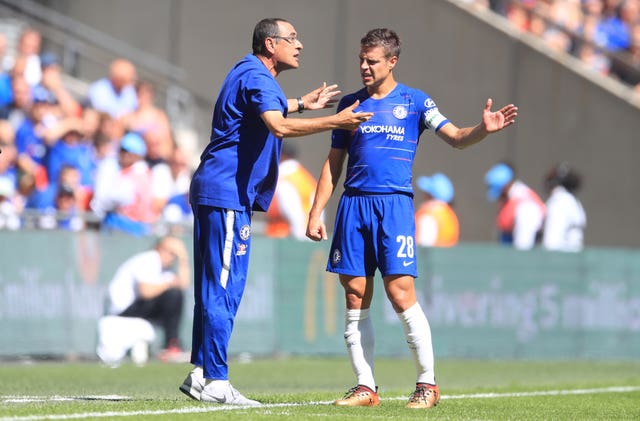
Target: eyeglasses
290,39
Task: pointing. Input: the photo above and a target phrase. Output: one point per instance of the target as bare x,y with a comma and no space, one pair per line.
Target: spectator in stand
526,15
6,61
33,138
52,80
151,285
288,213
8,166
594,59
9,211
8,152
68,209
72,149
565,18
593,29
107,139
180,171
437,224
171,176
557,39
610,7
630,12
520,209
615,29
152,124
540,11
69,176
177,211
91,119
150,121
6,95
28,52
629,71
115,94
20,108
106,144
124,199
162,187
65,213
565,219
592,50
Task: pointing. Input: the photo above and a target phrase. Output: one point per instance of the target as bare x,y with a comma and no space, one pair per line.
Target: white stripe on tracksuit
228,245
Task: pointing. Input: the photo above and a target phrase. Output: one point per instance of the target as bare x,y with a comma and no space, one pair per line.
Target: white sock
418,332
360,338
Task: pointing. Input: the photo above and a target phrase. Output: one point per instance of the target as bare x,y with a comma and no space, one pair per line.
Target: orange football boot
359,396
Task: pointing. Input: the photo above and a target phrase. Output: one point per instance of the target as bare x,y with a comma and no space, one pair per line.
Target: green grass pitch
300,388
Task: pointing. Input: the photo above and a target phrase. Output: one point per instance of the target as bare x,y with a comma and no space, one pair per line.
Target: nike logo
405,263
216,396
222,399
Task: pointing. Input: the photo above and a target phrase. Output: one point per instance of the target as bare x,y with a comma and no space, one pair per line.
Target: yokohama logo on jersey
382,129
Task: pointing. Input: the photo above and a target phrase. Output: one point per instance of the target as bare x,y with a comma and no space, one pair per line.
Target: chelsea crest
400,112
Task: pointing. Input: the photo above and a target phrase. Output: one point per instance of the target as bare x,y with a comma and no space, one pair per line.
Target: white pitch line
29,399
216,408
614,389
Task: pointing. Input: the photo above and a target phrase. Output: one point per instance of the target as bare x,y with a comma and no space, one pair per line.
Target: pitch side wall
483,301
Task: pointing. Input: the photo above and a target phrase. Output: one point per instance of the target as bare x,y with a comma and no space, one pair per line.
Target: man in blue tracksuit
237,175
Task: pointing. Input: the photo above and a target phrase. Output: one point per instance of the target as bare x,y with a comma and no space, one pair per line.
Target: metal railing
51,219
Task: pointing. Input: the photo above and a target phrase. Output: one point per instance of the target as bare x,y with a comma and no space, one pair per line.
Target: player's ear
392,62
270,44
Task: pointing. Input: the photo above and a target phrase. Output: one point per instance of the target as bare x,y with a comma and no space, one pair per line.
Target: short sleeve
340,137
265,94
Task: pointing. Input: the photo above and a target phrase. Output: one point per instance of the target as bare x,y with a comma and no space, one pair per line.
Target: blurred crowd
105,160
109,159
524,219
604,34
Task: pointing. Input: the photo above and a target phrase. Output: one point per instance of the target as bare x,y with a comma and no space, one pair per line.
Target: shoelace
351,392
421,392
354,390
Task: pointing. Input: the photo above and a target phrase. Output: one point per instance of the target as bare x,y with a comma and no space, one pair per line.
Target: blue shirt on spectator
617,33
79,155
104,98
29,143
6,92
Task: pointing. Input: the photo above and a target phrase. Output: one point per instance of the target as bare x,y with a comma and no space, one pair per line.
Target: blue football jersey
381,151
239,167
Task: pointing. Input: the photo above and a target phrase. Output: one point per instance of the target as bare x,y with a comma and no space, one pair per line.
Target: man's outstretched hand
497,120
323,97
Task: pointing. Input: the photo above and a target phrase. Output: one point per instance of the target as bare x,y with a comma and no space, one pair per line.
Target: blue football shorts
374,231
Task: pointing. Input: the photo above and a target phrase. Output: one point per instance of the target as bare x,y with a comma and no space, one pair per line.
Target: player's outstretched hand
323,97
349,120
316,229
498,120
